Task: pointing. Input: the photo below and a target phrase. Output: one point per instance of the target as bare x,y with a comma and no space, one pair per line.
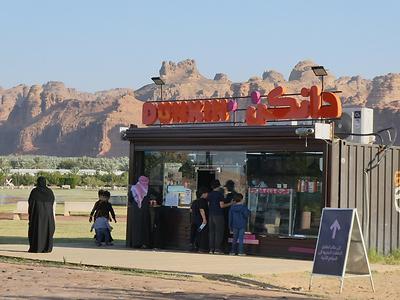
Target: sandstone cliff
55,120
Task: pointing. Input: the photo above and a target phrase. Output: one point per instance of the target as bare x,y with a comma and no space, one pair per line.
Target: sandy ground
35,281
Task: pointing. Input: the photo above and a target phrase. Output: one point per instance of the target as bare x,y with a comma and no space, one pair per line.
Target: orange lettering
220,110
195,113
251,116
287,107
164,112
180,112
264,114
315,101
208,111
280,107
397,178
149,113
334,110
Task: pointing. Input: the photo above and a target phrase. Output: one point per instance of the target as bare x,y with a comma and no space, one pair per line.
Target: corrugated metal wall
372,192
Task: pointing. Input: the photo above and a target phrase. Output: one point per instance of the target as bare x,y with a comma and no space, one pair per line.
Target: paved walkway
119,256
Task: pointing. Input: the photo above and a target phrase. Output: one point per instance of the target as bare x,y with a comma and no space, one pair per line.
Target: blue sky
97,45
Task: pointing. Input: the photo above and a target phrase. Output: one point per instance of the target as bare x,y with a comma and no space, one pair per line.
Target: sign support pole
365,251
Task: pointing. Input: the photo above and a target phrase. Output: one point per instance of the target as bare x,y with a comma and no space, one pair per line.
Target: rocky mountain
55,120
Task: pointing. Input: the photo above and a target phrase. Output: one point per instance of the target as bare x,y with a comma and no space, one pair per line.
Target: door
204,178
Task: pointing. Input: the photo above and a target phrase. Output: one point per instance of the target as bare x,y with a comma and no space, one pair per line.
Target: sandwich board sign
340,250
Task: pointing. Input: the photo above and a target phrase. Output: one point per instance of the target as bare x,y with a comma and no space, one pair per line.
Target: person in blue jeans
238,215
103,229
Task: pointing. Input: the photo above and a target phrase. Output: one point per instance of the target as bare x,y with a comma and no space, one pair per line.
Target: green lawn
60,194
9,208
12,231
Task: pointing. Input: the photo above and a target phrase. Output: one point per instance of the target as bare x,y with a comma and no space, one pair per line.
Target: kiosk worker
216,217
140,202
41,218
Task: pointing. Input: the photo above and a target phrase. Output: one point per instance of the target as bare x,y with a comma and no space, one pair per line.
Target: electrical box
323,131
360,120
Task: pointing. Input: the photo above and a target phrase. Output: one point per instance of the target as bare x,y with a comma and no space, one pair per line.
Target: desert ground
23,278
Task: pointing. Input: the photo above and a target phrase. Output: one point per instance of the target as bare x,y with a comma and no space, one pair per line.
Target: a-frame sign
340,250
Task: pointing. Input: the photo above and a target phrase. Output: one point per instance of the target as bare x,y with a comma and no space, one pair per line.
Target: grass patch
16,231
60,194
391,259
10,208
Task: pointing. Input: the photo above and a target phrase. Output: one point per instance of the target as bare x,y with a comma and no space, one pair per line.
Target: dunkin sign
316,105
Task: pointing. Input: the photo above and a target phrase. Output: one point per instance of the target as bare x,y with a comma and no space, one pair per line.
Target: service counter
174,233
174,227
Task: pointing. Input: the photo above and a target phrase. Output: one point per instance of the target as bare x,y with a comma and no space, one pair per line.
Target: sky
95,45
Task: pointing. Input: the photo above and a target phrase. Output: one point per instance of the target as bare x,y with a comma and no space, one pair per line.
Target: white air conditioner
356,120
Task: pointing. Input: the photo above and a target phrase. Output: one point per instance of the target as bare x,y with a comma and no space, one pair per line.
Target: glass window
179,174
284,192
283,189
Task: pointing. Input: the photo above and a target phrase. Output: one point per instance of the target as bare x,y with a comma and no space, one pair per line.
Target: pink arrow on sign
334,227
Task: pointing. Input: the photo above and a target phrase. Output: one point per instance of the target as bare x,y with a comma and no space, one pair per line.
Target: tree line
74,164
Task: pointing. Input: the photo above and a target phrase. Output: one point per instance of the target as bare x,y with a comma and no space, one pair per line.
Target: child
103,229
238,215
102,210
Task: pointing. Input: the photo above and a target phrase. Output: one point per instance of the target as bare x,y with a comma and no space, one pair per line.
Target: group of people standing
214,216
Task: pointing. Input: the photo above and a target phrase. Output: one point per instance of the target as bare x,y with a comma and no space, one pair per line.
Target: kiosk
286,174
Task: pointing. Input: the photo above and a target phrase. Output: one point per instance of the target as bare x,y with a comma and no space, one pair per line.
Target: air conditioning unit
357,120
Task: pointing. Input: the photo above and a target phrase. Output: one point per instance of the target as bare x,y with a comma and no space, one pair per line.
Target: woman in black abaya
41,218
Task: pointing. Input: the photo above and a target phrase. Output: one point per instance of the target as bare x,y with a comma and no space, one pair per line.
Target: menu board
333,241
172,176
340,246
177,195
171,199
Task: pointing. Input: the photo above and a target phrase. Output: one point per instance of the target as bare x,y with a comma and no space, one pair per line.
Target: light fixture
321,72
160,82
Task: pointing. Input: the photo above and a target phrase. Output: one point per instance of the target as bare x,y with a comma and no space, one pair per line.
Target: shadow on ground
251,283
62,242
122,293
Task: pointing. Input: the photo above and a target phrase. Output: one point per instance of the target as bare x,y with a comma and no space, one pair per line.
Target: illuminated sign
325,105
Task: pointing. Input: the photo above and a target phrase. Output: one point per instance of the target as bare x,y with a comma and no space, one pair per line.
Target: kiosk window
177,174
285,192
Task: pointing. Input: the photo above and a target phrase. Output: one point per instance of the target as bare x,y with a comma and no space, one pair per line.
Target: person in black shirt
216,219
103,208
199,217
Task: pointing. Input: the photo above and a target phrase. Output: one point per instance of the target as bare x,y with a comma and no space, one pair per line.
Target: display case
271,210
307,213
